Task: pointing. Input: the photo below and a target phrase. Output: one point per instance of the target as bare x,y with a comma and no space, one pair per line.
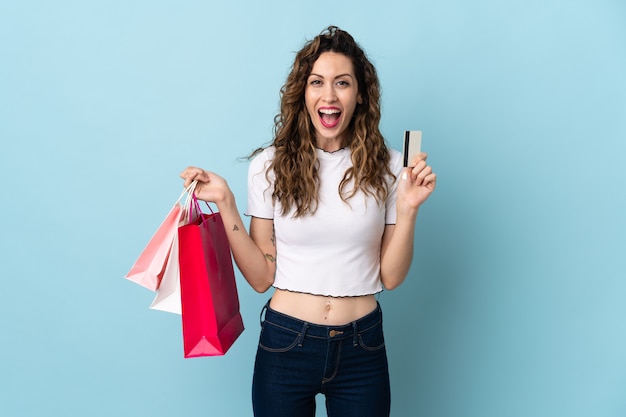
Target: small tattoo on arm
269,257
235,228
273,239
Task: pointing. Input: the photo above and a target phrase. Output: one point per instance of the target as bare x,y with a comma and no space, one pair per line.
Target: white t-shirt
336,251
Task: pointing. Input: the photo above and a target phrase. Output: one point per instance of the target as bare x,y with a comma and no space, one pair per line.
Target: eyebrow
338,76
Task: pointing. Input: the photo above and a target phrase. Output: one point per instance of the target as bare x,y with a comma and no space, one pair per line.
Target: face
331,95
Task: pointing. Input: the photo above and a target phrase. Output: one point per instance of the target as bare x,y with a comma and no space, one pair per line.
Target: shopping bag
168,296
211,319
149,268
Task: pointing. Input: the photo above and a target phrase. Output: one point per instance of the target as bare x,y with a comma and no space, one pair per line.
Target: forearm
397,252
257,267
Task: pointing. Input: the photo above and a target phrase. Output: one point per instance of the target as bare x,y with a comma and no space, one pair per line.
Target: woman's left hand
416,184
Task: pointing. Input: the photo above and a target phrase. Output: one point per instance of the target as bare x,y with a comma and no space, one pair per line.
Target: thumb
405,175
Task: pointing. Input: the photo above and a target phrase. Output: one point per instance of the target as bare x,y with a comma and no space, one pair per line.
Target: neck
329,145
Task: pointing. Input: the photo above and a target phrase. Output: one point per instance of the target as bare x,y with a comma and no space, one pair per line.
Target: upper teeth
329,111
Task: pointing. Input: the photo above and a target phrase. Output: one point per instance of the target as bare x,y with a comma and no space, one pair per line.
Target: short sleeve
260,203
396,166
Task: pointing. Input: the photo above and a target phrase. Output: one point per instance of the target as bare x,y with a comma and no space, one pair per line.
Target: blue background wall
515,303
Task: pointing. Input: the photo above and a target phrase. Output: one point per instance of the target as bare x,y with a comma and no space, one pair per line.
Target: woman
332,221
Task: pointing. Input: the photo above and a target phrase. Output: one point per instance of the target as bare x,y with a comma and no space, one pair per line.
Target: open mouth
329,117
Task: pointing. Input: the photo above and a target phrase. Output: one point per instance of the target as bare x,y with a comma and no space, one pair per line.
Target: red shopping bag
210,304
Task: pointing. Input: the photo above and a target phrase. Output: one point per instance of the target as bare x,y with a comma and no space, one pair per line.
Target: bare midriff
319,309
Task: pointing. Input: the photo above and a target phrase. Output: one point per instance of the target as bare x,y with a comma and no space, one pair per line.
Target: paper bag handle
196,205
187,215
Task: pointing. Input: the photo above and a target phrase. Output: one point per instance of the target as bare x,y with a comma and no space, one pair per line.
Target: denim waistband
320,331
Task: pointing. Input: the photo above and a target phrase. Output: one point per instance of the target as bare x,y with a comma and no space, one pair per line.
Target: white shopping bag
168,296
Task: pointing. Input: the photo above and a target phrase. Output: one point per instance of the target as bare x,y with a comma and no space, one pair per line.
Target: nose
329,95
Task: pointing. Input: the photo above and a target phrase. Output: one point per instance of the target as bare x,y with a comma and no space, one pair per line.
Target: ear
359,99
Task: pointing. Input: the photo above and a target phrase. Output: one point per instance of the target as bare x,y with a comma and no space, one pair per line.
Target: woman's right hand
211,187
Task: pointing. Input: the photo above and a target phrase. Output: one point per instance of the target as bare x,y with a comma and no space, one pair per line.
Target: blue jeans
297,360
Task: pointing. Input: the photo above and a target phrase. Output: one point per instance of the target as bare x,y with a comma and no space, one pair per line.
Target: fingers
430,181
422,156
420,173
191,174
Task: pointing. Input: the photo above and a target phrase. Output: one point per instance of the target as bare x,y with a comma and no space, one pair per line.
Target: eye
315,81
343,83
